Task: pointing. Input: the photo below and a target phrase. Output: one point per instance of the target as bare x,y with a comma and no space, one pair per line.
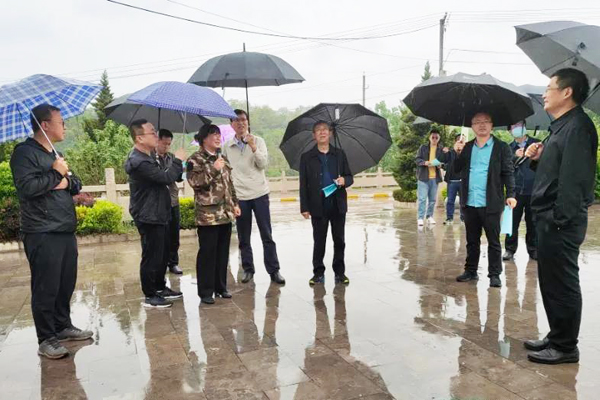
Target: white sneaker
420,222
431,220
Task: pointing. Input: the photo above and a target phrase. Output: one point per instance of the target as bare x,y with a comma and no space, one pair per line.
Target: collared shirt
478,173
239,143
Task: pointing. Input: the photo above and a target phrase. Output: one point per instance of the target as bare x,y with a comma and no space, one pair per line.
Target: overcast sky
81,38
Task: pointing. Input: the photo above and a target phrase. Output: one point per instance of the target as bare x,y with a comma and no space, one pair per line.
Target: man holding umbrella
563,190
485,165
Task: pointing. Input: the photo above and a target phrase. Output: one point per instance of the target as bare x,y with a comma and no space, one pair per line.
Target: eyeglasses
481,122
552,88
240,120
149,134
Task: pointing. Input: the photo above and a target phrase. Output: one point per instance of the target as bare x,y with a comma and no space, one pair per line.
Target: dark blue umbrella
183,97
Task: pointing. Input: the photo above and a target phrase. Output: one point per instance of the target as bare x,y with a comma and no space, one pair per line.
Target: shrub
10,220
597,189
84,199
445,193
103,217
188,216
405,196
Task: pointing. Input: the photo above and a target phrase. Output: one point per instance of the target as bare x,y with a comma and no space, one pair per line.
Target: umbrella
421,121
564,44
540,120
362,134
227,133
124,111
19,98
178,96
455,99
245,69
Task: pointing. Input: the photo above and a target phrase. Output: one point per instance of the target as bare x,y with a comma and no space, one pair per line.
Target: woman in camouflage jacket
216,204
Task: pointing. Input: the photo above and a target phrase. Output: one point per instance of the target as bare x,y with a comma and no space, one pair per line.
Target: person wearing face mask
524,177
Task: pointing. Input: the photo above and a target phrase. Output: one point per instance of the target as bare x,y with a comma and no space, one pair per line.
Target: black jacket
43,210
451,174
524,175
500,175
566,172
150,202
423,155
311,195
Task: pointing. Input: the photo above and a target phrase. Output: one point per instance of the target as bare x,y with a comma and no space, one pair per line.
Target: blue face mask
518,131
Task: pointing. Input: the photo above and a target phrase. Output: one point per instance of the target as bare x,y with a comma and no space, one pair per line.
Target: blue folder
507,221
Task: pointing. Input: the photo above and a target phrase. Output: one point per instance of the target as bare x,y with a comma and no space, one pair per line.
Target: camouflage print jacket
214,194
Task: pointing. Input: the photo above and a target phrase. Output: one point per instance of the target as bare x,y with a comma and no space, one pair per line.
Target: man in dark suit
485,165
321,167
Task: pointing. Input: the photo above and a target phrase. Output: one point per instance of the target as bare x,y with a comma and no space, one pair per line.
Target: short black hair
238,112
165,133
321,122
204,131
42,112
135,127
576,80
435,130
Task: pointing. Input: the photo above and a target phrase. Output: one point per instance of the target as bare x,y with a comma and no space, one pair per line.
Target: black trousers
174,226
476,220
558,271
53,262
512,242
153,267
213,259
320,227
260,207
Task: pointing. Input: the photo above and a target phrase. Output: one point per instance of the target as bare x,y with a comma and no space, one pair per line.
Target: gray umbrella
564,44
245,69
540,120
124,111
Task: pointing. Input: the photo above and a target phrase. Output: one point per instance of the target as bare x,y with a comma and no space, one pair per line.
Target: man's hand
511,202
340,181
250,141
181,154
445,149
534,151
237,211
61,166
519,153
64,184
459,146
219,164
306,215
426,163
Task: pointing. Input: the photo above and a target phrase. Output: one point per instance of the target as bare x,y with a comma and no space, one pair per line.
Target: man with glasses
248,157
150,208
485,165
565,165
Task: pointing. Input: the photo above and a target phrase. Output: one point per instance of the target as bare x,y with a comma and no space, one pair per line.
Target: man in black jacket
320,167
486,168
524,177
452,179
48,222
150,207
563,190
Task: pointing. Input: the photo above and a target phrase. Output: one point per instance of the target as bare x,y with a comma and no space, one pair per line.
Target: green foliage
105,97
405,196
103,217
88,159
188,217
10,221
6,150
427,72
445,193
7,186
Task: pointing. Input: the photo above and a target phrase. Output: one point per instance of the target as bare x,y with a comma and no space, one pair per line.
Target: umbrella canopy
178,96
540,120
421,121
564,44
455,99
362,134
124,111
19,98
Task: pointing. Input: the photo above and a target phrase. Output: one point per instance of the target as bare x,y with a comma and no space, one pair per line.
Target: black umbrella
564,44
124,112
540,120
363,135
455,99
245,69
421,121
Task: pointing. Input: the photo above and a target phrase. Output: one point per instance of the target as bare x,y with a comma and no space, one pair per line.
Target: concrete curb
350,197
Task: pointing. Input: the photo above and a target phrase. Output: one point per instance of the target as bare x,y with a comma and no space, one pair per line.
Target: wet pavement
404,328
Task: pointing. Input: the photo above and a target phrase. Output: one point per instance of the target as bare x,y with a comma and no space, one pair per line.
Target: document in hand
436,163
328,190
507,221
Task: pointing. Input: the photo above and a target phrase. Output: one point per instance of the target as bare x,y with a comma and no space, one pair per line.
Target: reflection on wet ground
403,329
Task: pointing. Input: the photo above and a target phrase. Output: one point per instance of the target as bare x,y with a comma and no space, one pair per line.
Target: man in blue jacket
524,177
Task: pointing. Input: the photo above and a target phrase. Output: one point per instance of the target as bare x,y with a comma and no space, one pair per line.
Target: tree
427,73
105,97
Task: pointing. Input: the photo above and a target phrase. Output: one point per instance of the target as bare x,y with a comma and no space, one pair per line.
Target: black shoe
553,356
343,279
224,295
207,300
174,269
247,277
508,255
495,281
51,348
73,333
449,221
533,255
170,294
157,302
537,345
467,276
277,278
316,279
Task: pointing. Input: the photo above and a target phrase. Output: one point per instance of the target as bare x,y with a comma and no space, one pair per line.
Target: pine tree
427,73
104,98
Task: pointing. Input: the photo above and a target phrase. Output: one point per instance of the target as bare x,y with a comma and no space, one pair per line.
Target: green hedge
102,217
405,196
188,217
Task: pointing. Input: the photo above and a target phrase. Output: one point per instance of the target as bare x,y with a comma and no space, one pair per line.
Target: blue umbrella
19,98
184,97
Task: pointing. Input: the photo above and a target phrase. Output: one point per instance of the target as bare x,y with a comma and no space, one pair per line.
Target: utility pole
364,89
441,57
